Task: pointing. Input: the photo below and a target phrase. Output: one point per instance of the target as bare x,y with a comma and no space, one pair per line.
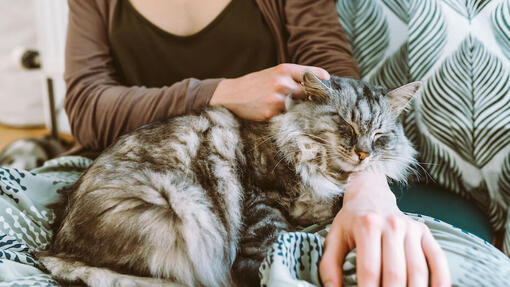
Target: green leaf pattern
501,26
466,103
409,123
393,73
504,180
506,240
426,40
367,31
400,8
468,8
427,37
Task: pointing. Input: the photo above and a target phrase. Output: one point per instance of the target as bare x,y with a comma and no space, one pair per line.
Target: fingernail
328,284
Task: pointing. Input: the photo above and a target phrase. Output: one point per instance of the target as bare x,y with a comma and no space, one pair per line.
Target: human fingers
368,251
296,71
436,259
417,270
393,261
330,266
288,86
279,106
270,107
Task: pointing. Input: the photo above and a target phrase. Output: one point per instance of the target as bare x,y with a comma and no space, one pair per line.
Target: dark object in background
31,59
26,58
30,153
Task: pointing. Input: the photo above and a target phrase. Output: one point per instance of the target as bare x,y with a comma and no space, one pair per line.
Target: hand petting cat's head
346,125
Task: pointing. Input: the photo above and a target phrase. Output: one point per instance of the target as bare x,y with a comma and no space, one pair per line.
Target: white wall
21,97
51,25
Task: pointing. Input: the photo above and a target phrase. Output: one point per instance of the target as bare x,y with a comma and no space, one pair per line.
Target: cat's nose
362,155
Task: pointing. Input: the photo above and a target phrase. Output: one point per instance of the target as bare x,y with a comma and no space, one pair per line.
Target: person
132,62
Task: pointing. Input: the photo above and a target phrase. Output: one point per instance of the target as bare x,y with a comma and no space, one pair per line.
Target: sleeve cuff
203,95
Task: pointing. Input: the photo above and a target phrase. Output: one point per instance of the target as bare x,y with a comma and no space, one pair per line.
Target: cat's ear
315,88
399,98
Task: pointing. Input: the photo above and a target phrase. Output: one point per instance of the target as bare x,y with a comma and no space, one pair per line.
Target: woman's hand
261,95
392,249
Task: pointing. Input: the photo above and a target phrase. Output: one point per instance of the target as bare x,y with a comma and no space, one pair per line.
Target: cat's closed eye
382,138
377,134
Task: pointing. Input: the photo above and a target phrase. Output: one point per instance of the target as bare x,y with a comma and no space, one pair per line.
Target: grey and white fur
197,200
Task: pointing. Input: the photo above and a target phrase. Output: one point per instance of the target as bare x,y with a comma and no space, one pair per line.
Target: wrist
217,98
369,185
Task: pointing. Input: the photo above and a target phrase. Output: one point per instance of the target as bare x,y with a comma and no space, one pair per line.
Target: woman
135,61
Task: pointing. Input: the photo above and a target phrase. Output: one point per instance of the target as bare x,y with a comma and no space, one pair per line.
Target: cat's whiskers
279,155
321,140
340,157
337,153
427,174
278,163
409,164
260,141
343,155
332,154
429,163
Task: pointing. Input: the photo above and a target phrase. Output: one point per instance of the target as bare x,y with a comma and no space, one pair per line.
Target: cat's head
343,126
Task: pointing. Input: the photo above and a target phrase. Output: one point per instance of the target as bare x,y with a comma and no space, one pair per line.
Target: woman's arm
99,108
316,37
392,249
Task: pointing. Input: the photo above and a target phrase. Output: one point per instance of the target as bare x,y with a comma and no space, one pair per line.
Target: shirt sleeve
99,108
316,37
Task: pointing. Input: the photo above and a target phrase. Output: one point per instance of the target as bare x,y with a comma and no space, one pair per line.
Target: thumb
296,72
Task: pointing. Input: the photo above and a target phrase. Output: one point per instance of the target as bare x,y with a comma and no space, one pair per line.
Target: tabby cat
197,200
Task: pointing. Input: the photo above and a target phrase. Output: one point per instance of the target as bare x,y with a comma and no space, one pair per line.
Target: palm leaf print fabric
427,37
394,71
399,8
501,26
26,216
364,25
468,8
460,124
471,119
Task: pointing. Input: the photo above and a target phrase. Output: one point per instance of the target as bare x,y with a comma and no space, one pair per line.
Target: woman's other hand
261,95
392,249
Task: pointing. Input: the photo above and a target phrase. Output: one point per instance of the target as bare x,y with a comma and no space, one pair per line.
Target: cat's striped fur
192,198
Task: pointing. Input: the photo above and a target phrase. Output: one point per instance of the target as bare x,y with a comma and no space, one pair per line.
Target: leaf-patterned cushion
460,49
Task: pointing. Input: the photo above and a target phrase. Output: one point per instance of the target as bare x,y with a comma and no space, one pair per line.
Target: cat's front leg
263,223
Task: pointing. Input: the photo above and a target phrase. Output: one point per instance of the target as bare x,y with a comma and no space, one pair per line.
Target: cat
197,200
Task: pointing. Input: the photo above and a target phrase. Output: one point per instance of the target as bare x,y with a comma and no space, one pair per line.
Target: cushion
460,124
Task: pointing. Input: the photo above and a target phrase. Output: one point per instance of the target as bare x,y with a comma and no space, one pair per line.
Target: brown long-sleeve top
100,108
